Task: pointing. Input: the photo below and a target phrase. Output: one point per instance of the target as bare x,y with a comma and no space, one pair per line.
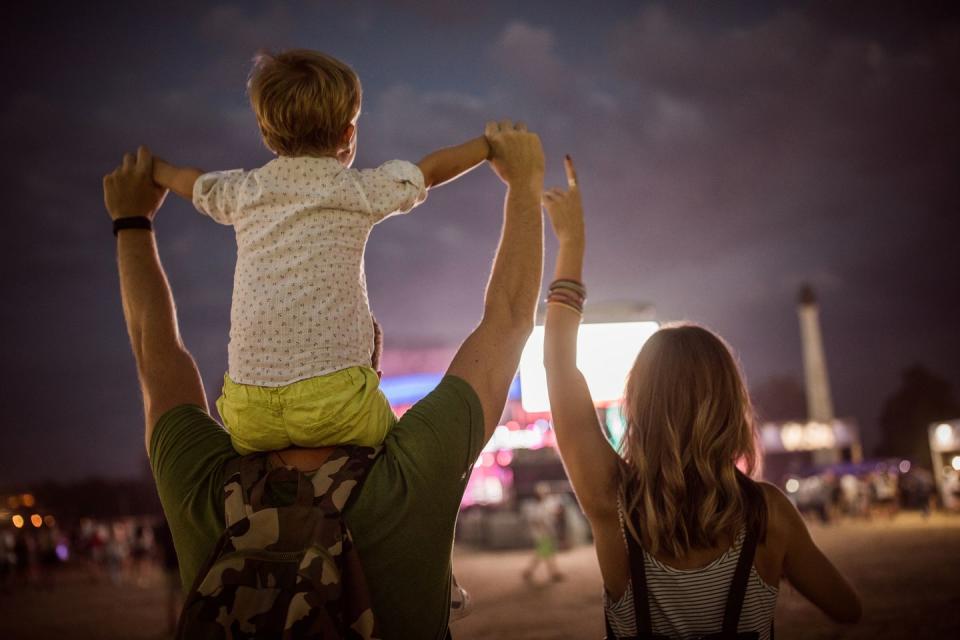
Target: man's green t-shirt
402,520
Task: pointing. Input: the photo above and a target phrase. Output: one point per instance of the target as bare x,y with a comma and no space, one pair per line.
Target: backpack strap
738,586
335,482
755,518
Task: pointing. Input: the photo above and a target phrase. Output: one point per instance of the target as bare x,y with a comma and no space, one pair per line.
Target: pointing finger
571,172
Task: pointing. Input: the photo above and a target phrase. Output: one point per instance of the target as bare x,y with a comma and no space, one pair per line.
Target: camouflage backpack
285,567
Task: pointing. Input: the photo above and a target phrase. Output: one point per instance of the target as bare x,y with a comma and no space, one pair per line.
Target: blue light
405,390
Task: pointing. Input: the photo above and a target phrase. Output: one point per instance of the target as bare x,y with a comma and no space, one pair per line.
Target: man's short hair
303,100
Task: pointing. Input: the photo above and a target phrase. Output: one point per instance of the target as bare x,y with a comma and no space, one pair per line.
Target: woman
687,544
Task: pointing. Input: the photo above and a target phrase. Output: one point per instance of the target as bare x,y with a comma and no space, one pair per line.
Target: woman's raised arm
590,461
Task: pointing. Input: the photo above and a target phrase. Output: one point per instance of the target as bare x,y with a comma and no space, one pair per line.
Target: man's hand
565,208
130,191
517,154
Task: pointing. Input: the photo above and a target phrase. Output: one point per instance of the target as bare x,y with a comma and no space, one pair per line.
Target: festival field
907,571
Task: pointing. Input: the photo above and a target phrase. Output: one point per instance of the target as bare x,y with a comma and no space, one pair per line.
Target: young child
301,332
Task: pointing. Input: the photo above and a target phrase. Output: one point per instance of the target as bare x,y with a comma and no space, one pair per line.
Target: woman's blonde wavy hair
689,422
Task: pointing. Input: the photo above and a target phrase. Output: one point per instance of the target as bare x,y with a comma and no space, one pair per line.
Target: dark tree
779,398
923,397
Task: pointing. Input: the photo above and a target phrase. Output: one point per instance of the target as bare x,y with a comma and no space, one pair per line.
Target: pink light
487,460
550,439
504,457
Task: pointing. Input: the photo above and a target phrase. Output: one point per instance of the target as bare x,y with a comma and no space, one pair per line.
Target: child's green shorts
344,407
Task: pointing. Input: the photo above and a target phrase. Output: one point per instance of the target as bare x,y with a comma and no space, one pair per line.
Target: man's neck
301,458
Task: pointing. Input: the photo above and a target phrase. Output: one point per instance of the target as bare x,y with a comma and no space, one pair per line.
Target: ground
907,572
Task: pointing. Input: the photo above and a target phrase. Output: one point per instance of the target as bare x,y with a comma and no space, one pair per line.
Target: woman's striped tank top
685,603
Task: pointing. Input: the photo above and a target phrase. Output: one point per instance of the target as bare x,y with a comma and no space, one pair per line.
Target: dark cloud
727,154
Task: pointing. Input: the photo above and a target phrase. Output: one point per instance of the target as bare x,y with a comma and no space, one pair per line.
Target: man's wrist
130,223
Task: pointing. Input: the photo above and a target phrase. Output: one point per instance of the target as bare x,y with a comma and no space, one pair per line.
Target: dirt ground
907,572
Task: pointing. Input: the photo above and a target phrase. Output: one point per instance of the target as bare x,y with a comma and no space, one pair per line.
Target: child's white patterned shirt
300,305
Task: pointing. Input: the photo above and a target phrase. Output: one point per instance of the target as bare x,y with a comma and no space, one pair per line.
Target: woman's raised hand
564,206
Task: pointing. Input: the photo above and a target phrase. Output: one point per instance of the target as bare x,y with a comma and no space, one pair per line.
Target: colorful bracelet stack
569,293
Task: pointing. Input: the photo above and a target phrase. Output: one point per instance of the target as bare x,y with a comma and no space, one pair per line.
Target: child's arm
444,165
180,180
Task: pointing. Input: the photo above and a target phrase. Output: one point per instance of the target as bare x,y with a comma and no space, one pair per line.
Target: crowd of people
863,494
136,552
130,551
27,558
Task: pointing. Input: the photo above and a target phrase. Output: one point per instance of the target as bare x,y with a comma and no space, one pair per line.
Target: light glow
605,355
904,466
807,437
492,489
533,437
28,500
944,435
793,485
18,521
36,520
955,463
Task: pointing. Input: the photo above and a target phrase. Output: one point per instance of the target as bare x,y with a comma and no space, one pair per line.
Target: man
403,517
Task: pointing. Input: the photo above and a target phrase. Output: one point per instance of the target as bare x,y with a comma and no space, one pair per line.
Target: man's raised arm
489,357
168,374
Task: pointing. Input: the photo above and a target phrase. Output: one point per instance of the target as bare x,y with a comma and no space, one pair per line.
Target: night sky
727,154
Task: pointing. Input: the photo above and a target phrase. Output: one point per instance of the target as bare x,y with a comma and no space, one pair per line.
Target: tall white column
819,403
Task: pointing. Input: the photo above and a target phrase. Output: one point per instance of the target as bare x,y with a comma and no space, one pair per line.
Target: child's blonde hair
304,100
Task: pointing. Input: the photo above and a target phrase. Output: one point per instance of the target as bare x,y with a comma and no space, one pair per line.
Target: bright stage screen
605,354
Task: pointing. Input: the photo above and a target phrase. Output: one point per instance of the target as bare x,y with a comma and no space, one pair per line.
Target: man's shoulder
187,437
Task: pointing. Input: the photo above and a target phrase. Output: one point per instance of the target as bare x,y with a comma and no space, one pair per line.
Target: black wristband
134,222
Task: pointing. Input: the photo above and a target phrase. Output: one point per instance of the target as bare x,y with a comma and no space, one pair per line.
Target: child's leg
252,416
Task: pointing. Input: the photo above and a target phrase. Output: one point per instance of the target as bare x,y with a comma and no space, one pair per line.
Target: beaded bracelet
570,285
559,296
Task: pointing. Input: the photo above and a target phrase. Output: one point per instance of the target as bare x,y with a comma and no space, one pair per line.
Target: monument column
817,383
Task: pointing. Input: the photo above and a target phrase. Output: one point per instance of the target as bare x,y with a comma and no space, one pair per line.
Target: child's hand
180,180
564,206
163,172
